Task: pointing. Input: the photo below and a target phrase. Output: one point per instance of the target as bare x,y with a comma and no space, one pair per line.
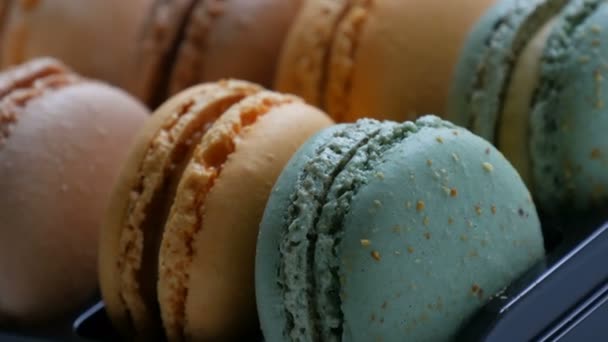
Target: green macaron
390,231
531,79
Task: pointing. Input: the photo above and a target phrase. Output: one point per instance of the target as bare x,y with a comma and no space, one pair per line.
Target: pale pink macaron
62,140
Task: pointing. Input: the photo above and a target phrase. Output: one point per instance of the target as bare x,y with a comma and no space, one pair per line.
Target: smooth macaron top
390,231
541,100
384,59
62,138
95,40
190,41
178,244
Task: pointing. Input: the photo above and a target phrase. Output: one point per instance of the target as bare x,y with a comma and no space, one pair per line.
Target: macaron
530,79
178,244
384,231
62,139
388,59
95,38
186,42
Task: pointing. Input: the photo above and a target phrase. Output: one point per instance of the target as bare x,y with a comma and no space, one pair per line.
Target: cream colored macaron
178,244
387,59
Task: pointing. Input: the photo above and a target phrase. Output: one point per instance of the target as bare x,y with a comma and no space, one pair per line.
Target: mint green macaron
531,79
390,231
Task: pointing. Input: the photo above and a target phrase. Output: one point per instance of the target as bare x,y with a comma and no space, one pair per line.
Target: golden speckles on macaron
427,235
488,167
450,220
420,206
365,242
376,255
596,29
410,249
455,157
596,154
453,192
477,290
584,59
377,203
464,238
429,162
379,175
426,221
478,210
439,140
493,209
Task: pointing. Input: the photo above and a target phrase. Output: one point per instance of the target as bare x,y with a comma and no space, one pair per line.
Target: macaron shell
129,244
58,163
268,293
95,39
568,144
221,33
471,55
399,73
439,240
109,246
221,299
369,72
184,221
301,65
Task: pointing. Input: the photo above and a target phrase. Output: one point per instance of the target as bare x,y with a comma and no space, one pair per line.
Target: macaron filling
495,66
22,85
308,273
166,31
189,61
151,199
186,220
514,121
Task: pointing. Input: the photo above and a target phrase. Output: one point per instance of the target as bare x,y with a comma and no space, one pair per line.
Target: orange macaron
178,244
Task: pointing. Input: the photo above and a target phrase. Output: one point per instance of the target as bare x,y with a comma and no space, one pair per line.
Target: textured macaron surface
555,136
390,231
178,244
143,197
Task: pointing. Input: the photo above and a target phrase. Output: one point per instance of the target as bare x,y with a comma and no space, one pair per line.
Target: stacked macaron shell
389,59
178,245
531,81
62,139
96,39
185,42
379,231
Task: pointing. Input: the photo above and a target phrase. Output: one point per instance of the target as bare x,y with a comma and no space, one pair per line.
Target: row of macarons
529,80
238,207
526,75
